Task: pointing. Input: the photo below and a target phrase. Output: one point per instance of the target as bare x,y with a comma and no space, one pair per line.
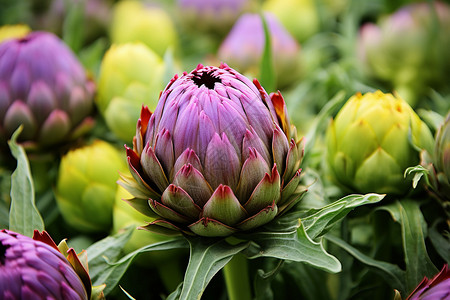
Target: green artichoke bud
217,156
36,268
129,73
409,49
135,21
86,186
438,164
300,17
371,142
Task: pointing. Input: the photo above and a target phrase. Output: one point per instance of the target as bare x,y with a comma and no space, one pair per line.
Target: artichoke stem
236,278
170,274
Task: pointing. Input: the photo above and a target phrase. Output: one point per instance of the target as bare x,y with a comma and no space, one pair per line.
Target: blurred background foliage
323,53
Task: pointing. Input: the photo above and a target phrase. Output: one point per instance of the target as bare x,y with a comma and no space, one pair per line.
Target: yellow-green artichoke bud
135,21
371,142
300,17
13,31
130,74
125,215
86,186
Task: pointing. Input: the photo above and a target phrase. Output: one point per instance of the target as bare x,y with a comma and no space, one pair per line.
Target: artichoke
86,186
408,49
43,87
437,288
216,157
134,21
244,45
37,269
129,73
371,142
438,165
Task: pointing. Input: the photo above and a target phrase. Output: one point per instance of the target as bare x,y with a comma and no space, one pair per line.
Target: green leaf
319,221
103,264
5,197
267,68
294,245
413,227
263,280
440,243
393,275
418,172
24,217
207,257
73,27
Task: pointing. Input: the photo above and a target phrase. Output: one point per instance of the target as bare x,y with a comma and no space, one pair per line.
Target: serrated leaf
319,221
418,171
393,275
413,227
102,254
207,257
295,246
267,68
24,217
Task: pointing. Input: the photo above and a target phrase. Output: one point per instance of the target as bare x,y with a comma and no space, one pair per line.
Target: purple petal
223,206
55,128
164,151
187,157
193,182
41,100
153,169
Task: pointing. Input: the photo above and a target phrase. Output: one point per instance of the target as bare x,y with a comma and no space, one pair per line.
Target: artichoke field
242,149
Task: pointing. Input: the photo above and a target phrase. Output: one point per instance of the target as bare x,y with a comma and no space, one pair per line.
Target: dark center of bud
206,78
3,253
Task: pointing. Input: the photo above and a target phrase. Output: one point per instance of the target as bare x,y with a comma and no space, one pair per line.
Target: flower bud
86,186
135,21
129,75
371,142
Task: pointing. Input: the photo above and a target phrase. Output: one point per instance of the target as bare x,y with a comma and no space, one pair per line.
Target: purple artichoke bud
217,156
212,15
36,269
437,288
44,87
244,46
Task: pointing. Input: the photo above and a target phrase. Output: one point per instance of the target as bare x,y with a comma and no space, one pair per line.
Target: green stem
236,278
170,274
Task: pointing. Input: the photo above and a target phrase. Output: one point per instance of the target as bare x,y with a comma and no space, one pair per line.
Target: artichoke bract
35,268
43,87
129,73
436,288
371,142
86,186
216,157
438,165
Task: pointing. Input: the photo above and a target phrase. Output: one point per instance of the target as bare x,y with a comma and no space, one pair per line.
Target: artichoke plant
408,49
244,45
86,186
437,288
438,165
38,269
129,73
217,156
371,142
44,88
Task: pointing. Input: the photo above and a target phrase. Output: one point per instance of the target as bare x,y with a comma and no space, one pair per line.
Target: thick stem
236,278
